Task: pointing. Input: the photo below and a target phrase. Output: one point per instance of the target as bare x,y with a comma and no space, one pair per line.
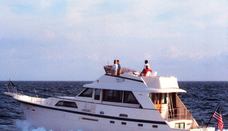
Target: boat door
97,95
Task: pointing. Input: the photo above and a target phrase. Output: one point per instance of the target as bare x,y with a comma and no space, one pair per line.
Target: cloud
52,33
149,19
49,35
143,19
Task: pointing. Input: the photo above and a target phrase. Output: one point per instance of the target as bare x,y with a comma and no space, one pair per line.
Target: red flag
218,117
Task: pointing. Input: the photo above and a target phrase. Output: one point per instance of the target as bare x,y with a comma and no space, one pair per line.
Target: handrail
181,113
178,114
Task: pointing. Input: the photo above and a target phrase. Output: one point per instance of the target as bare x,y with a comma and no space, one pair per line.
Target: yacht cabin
129,95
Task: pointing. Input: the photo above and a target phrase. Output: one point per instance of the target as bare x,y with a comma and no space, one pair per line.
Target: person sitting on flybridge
147,71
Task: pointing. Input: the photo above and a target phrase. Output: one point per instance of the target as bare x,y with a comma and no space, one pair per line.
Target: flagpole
212,115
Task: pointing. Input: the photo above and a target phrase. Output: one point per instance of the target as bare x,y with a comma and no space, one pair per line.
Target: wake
24,125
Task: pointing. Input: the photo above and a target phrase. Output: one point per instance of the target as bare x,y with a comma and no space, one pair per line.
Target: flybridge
132,80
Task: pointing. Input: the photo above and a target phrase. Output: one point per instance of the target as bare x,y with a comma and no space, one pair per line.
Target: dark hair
146,61
147,67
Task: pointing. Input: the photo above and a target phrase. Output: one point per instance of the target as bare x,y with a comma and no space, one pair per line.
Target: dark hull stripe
96,115
125,78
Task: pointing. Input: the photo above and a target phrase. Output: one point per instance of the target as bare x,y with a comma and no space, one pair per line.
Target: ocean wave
24,125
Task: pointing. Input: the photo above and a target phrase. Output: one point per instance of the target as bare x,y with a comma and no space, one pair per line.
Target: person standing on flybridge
118,67
114,68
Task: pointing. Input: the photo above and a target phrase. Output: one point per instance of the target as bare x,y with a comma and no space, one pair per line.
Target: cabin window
66,104
97,94
112,95
159,98
87,93
129,98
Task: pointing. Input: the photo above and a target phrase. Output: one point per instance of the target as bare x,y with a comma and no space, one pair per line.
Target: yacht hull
59,120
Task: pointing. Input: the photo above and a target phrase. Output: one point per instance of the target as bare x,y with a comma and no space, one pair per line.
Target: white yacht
127,102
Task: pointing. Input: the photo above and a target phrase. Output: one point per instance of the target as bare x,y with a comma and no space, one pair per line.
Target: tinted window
66,104
97,94
129,98
87,93
159,98
112,95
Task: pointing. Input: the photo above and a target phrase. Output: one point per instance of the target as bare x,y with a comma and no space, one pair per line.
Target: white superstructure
128,102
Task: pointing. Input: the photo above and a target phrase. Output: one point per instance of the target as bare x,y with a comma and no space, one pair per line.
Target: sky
72,40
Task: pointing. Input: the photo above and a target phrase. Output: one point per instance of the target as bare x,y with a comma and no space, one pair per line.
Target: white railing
179,114
19,95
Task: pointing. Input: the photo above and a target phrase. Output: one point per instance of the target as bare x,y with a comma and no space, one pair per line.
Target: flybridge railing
108,70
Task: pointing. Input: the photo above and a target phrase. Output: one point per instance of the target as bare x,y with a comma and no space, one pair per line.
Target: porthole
123,123
141,125
155,126
113,122
123,115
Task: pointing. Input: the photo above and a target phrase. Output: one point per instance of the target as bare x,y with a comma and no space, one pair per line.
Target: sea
201,99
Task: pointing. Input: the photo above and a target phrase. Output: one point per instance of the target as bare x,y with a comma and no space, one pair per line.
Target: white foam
24,125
